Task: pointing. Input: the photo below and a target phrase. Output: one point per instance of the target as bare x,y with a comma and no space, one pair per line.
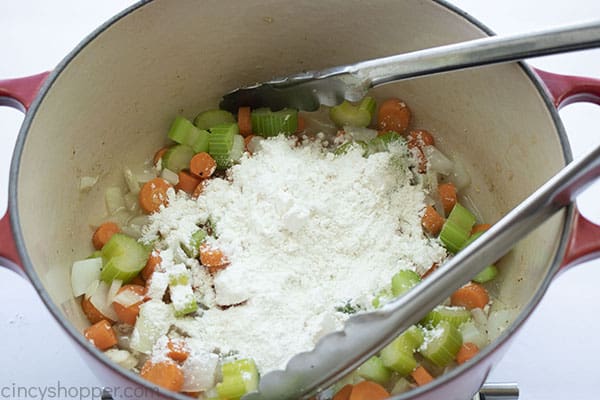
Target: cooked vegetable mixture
255,234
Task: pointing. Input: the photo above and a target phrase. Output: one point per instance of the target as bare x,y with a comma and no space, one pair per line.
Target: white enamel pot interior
110,103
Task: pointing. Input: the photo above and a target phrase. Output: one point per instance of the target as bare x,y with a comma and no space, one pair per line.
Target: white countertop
555,355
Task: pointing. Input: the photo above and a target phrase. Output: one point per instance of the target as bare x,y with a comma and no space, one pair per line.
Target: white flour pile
306,232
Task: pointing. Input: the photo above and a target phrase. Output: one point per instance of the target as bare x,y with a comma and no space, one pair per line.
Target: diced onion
479,317
474,334
87,182
145,176
131,180
254,144
199,372
438,162
112,291
460,176
170,176
83,273
131,202
114,200
100,300
122,357
357,133
498,321
127,298
91,289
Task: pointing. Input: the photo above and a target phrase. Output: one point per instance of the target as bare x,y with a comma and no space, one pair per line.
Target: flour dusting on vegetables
260,234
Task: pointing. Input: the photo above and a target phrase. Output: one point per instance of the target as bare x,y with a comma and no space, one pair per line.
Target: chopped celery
454,315
443,343
180,290
177,157
271,123
487,274
220,144
83,273
211,118
398,355
453,237
344,148
184,132
239,378
462,217
374,370
122,258
403,281
381,143
191,248
353,115
413,336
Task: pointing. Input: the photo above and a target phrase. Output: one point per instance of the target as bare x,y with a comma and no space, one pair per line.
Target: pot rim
80,339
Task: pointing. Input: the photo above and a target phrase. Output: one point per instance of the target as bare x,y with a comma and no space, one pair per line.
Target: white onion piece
498,321
237,148
113,289
437,161
131,180
100,300
127,298
199,372
114,200
460,176
357,133
145,176
87,182
91,289
254,144
83,273
479,317
472,333
132,202
122,357
170,176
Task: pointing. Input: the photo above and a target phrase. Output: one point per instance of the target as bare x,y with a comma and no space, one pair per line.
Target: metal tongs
307,91
338,353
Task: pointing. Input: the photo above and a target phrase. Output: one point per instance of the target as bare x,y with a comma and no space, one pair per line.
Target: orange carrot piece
187,182
154,194
244,121
367,390
421,376
203,165
158,155
165,374
467,351
480,228
343,393
153,261
432,221
393,115
177,351
101,334
91,312
199,189
419,138
470,296
138,280
129,314
103,233
433,267
210,257
448,196
301,124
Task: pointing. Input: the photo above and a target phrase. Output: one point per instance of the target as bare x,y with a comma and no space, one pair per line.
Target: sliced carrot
187,182
199,189
393,115
432,221
301,124
470,296
419,138
244,121
480,228
467,351
368,390
203,165
177,351
153,261
421,376
158,155
343,393
211,257
129,314
138,280
448,196
165,374
101,334
91,312
433,267
154,194
103,233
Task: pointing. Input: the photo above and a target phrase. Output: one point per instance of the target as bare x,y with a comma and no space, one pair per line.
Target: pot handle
18,93
584,241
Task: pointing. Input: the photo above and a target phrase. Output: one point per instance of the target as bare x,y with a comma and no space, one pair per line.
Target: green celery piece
344,148
183,131
199,143
462,217
456,316
381,142
237,371
220,143
453,237
95,254
192,247
231,388
268,123
403,281
442,348
122,258
353,115
374,370
178,157
211,118
398,355
413,337
487,274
